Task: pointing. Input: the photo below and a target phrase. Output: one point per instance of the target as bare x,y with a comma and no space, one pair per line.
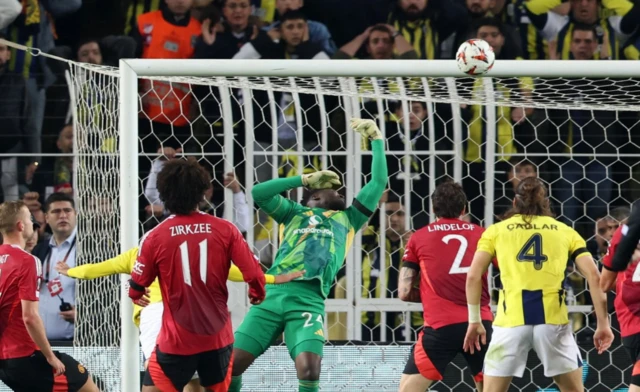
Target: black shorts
171,372
632,345
436,348
34,374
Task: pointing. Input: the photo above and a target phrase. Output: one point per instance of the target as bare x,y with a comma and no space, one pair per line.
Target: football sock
308,386
236,384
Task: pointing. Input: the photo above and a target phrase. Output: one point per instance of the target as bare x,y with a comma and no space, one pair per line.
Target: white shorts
150,324
509,348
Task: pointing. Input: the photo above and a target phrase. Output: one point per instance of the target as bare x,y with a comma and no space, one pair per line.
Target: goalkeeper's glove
323,179
368,129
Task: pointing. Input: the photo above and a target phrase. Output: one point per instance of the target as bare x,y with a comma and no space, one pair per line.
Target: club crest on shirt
81,369
315,220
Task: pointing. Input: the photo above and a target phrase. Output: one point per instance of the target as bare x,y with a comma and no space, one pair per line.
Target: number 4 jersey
532,256
443,252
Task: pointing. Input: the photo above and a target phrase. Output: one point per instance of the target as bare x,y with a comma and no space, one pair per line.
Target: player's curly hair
181,184
531,200
448,200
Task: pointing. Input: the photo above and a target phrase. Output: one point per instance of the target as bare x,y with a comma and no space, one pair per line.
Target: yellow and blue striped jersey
532,257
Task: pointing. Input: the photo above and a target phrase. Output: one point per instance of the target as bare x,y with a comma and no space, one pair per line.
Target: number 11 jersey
442,251
532,257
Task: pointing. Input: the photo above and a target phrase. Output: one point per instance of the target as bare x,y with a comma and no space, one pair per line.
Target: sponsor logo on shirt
314,220
137,268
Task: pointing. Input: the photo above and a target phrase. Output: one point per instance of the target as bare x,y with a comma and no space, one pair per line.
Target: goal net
577,134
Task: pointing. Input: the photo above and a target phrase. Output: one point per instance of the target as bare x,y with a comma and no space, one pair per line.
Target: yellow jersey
532,258
123,264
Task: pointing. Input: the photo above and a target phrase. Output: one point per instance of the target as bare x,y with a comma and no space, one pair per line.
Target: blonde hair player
532,248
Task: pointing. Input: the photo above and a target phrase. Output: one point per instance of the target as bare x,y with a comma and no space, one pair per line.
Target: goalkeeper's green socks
308,386
236,384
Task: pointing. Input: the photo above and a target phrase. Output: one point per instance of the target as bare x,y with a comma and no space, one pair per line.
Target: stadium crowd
575,151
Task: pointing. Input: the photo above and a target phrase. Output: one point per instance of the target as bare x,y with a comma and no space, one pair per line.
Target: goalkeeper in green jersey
314,238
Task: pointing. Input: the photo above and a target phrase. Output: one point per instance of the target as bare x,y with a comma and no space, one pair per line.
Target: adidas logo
319,332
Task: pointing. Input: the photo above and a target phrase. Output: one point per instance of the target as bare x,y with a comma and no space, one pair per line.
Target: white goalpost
435,84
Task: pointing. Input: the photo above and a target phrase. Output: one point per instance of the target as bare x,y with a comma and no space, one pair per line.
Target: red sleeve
248,263
607,260
144,270
29,285
410,258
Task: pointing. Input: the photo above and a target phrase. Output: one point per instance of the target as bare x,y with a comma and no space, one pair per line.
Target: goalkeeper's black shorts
34,374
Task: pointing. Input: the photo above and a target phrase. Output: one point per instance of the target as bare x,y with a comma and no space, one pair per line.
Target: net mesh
436,129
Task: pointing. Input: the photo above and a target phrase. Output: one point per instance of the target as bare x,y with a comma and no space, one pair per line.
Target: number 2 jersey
443,252
627,302
532,257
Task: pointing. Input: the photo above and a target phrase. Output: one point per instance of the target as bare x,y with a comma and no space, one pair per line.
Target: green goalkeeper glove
323,179
368,129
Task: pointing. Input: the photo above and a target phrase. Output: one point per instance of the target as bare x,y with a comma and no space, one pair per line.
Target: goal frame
132,69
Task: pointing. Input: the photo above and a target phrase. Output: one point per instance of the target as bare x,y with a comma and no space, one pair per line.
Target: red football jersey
191,256
444,250
627,302
20,275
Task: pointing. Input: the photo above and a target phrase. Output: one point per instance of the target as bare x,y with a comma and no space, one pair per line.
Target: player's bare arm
35,327
608,280
476,333
409,277
603,336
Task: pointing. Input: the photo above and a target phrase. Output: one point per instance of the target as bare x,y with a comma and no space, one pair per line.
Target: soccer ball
475,57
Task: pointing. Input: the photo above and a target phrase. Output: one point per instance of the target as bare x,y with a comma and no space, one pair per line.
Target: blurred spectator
381,42
479,10
605,227
522,168
425,24
585,188
318,32
58,311
9,11
408,159
63,166
137,8
221,39
31,200
34,27
155,208
18,133
292,42
507,118
166,34
32,241
552,26
396,237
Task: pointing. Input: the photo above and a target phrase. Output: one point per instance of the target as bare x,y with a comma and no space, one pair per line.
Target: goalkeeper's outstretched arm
267,197
370,195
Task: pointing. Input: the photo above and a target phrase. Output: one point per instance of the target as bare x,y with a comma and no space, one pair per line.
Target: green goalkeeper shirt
314,239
